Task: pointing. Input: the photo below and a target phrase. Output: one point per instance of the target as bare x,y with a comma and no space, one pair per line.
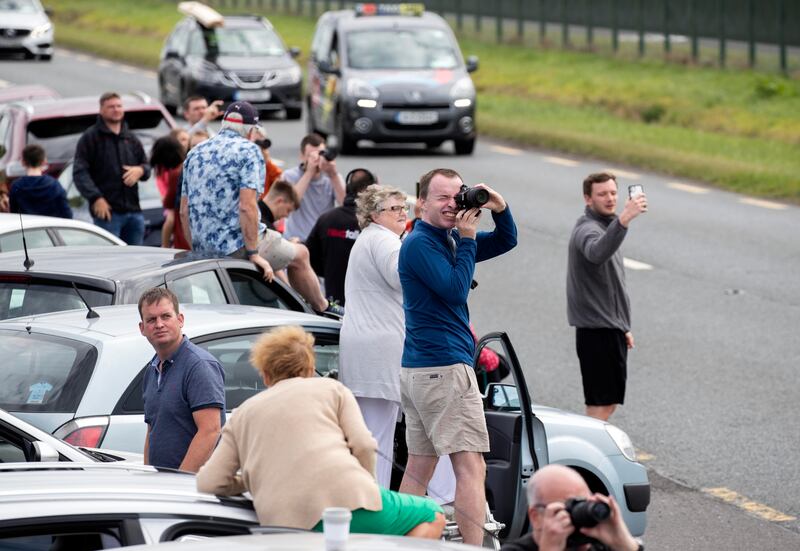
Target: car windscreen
59,135
19,6
43,373
23,296
413,48
243,42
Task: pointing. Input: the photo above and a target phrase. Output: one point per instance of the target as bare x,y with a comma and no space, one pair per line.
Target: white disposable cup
336,527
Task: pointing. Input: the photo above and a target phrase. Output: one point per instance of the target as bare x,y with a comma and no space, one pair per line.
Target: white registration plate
255,95
417,117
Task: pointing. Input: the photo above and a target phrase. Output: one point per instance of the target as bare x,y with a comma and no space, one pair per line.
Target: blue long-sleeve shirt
436,286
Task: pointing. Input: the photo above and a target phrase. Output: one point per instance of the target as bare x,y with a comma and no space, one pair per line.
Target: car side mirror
295,52
327,67
15,169
171,54
44,452
502,397
472,63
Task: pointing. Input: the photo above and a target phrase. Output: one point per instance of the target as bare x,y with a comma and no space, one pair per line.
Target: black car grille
391,125
416,106
14,33
250,78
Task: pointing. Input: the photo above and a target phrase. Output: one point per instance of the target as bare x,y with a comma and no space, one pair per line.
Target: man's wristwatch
250,252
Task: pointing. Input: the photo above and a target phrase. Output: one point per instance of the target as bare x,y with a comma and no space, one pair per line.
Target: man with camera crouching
439,391
564,514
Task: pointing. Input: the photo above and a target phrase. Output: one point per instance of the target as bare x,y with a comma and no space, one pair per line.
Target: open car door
518,443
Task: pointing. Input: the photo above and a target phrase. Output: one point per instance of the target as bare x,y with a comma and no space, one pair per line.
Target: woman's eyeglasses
397,209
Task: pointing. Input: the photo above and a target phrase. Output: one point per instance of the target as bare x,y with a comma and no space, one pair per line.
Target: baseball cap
241,112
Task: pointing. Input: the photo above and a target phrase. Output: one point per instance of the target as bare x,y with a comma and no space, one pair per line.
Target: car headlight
358,89
463,89
622,440
41,30
291,75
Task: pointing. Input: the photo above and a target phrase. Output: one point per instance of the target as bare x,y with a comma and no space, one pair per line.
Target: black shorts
603,354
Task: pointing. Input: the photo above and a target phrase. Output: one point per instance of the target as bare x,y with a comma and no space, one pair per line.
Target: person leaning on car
183,389
109,163
551,524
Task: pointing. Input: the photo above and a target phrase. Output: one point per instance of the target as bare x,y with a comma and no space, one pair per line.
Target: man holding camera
317,183
439,391
597,300
565,515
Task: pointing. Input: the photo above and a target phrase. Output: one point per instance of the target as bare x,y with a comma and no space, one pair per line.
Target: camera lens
586,514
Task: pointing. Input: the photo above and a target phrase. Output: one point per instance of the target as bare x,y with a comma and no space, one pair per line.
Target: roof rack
414,9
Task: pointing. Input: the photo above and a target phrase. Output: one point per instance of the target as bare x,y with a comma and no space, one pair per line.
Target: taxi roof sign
406,9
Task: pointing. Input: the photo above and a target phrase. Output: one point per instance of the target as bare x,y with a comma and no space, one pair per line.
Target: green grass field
736,129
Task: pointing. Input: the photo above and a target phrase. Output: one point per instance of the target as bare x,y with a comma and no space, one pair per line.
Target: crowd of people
406,343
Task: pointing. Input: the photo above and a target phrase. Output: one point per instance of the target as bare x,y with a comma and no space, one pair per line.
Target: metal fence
751,27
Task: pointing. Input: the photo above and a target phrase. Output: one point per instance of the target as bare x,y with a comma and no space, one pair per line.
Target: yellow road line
506,150
561,161
688,188
623,173
762,203
644,456
753,507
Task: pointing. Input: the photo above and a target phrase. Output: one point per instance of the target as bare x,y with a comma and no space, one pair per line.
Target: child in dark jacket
38,193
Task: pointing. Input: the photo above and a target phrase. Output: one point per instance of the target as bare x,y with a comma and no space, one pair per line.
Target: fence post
614,27
499,22
667,43
721,5
564,25
751,34
590,25
274,5
641,28
782,35
693,23
327,5
542,22
459,16
520,21
478,18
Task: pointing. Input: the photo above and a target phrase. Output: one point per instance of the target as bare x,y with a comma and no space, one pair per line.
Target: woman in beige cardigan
302,446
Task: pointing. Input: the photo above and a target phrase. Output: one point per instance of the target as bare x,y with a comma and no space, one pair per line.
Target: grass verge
739,130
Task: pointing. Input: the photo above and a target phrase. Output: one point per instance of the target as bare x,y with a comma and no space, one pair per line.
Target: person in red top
167,159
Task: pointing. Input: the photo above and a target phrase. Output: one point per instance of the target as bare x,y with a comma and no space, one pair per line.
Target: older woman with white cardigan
373,328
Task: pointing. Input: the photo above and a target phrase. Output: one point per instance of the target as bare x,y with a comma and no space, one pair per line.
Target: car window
34,239
77,238
11,450
43,373
420,48
251,290
242,380
46,535
21,296
244,42
20,6
197,46
200,288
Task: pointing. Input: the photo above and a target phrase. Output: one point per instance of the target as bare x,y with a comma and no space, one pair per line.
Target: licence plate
254,95
417,117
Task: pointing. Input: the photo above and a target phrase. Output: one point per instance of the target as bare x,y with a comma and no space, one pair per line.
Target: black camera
330,153
471,197
585,514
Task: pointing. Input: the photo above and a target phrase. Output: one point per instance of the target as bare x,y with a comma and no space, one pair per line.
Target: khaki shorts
444,410
276,250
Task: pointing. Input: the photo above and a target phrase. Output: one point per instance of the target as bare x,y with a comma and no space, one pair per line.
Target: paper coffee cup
336,527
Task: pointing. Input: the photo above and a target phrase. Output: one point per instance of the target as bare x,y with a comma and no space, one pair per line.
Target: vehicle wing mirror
14,169
171,54
502,397
295,52
44,452
472,63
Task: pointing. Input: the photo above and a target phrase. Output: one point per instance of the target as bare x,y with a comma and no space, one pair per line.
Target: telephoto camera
585,514
330,153
471,197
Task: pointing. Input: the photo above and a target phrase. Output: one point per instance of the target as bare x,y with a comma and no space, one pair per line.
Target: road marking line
763,204
688,188
82,57
4,83
644,456
506,150
149,74
126,69
61,51
103,63
635,264
623,173
753,507
561,161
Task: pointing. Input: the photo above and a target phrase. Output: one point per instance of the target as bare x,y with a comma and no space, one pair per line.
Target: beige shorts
276,250
444,410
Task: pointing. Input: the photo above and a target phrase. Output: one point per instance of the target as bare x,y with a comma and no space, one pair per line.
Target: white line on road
506,150
623,173
561,161
688,188
763,204
149,74
126,69
82,57
103,63
635,264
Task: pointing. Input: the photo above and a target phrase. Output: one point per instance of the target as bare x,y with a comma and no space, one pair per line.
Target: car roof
10,222
348,20
201,319
83,105
73,488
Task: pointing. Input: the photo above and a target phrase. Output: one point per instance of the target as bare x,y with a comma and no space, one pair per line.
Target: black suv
243,60
388,73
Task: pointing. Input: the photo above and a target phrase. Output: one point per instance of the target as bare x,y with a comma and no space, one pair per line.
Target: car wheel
347,145
294,113
45,57
465,147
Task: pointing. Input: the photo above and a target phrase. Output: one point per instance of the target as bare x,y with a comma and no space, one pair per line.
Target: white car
25,29
49,231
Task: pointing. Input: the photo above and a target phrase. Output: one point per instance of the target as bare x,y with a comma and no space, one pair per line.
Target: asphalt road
713,277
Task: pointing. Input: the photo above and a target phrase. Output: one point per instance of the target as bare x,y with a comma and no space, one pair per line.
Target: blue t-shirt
436,285
192,379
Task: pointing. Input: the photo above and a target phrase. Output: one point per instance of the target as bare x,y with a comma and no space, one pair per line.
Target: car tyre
465,147
347,145
294,113
45,57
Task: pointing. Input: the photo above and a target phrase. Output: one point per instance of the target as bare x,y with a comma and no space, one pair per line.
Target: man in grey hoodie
597,300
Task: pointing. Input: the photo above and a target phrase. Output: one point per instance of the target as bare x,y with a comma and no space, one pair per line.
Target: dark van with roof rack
390,73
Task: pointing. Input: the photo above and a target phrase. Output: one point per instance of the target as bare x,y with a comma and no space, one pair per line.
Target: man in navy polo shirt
183,389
